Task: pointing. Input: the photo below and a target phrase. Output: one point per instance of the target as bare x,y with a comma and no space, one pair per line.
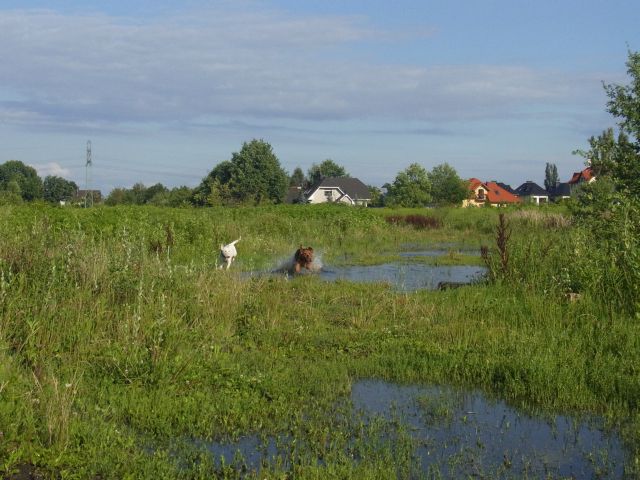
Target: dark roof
529,189
506,187
561,190
349,185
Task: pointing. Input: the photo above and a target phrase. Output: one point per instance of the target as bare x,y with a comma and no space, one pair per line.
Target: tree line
21,183
252,176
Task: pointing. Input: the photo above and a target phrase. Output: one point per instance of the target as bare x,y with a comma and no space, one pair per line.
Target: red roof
583,176
474,183
494,192
497,194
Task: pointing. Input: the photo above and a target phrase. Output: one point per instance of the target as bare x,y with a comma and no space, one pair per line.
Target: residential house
506,187
583,176
89,196
347,190
532,192
488,193
561,191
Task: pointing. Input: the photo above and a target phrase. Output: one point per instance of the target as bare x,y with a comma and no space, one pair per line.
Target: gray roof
506,187
349,185
561,190
530,189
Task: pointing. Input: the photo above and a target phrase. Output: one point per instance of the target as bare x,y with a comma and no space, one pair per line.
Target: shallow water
458,434
439,253
405,277
489,438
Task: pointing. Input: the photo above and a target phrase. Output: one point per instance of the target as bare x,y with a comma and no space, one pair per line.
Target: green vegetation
551,177
328,168
121,344
56,189
447,188
609,209
253,176
19,181
410,188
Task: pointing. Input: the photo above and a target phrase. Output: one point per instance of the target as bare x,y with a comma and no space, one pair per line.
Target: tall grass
111,351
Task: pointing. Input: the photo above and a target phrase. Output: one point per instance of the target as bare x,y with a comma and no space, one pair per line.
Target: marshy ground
124,352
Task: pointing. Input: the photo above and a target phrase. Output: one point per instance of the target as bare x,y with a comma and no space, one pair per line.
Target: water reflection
463,434
406,277
453,434
439,253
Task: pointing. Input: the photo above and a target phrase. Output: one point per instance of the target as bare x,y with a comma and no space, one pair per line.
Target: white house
533,192
339,190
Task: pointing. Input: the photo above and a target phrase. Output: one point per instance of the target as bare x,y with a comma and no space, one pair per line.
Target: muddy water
457,434
405,277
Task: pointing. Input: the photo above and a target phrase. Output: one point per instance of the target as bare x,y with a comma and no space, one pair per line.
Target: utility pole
88,193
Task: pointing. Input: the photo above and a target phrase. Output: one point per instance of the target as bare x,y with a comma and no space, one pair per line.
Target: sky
166,90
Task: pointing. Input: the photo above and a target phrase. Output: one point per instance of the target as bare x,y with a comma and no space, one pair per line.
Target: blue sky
166,90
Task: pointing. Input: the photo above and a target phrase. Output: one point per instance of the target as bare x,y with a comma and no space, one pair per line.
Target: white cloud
52,168
79,70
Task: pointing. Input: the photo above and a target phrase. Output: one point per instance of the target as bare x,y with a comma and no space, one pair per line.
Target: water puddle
451,434
460,434
406,277
439,253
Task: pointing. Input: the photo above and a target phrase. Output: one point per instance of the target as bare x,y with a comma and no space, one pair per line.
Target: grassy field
121,343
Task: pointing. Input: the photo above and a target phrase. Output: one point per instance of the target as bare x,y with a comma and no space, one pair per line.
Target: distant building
561,191
583,176
532,192
348,190
506,187
488,193
81,195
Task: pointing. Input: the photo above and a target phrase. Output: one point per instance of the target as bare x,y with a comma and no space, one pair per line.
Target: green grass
111,352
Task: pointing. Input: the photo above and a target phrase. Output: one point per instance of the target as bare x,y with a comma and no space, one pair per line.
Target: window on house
481,194
328,194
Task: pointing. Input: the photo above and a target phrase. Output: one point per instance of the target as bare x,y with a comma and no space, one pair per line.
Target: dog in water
228,253
303,258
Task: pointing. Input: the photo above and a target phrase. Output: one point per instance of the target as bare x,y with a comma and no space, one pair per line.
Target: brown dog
303,258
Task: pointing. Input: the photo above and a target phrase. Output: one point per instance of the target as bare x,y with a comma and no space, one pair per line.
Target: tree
138,193
608,210
154,190
411,188
26,178
176,197
56,189
253,175
327,168
377,197
551,177
447,188
624,104
120,196
297,178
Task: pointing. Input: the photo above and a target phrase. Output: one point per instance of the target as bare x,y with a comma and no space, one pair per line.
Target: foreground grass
112,350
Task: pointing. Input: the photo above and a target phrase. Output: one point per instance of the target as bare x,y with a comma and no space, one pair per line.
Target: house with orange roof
584,176
491,193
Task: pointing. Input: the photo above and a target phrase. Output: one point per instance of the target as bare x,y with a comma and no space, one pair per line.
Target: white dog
228,253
